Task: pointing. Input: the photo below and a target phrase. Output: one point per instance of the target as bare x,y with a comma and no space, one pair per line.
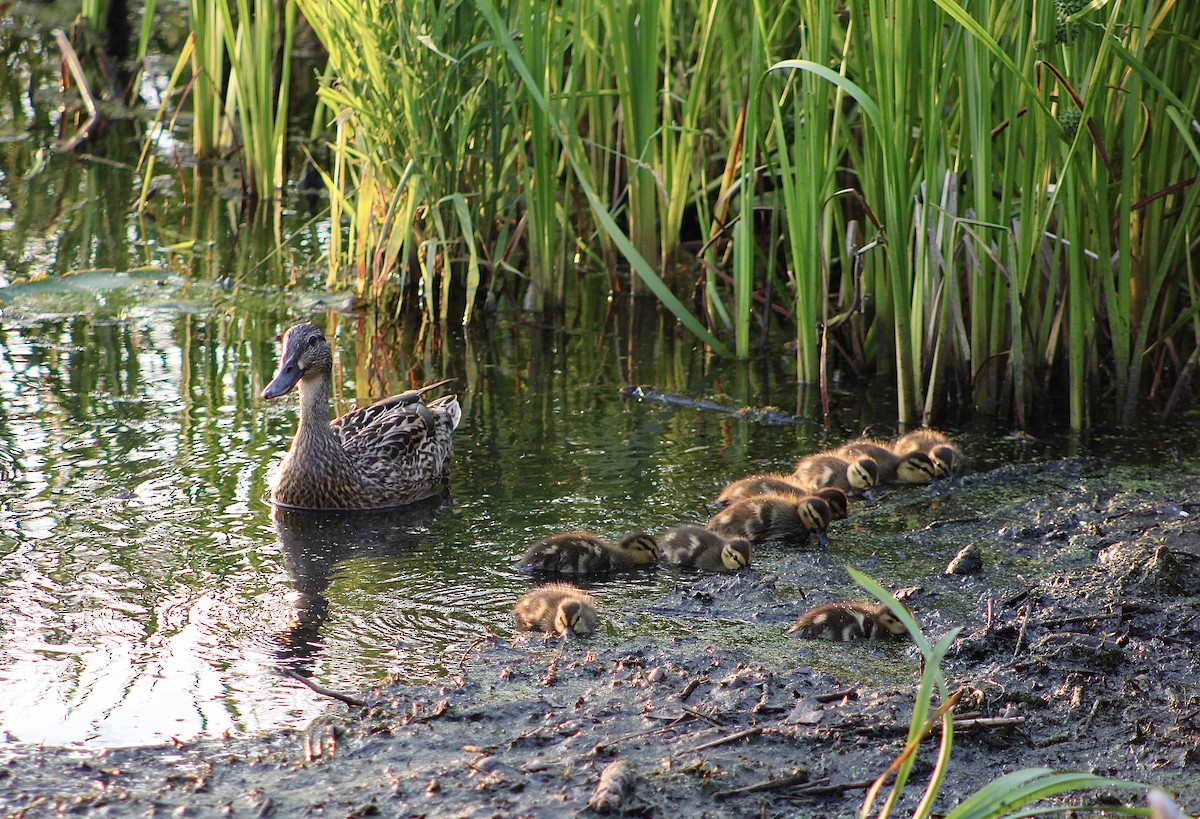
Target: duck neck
314,406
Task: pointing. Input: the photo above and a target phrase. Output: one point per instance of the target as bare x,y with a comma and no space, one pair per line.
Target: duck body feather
700,548
583,553
849,620
391,453
557,608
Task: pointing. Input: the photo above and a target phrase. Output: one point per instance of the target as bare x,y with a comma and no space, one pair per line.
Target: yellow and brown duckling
947,458
906,466
826,469
699,548
849,620
762,518
768,483
583,553
557,608
836,500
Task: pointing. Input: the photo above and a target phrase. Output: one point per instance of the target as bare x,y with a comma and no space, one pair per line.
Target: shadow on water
315,543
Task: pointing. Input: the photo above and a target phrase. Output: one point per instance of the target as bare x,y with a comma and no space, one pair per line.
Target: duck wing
404,405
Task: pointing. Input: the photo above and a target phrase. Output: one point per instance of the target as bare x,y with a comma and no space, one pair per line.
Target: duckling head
575,617
641,548
836,500
862,474
889,622
815,515
736,554
916,467
305,351
947,460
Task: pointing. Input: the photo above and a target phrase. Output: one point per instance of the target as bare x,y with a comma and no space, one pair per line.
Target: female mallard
698,548
557,608
850,620
583,553
394,452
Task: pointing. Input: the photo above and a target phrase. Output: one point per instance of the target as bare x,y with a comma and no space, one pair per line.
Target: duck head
305,351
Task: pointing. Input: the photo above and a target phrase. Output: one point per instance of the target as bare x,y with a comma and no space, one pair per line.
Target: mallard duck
946,456
583,553
695,546
826,469
766,517
768,483
394,452
557,608
907,466
849,620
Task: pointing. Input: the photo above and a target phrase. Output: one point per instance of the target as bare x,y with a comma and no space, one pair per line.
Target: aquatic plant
1005,796
1015,183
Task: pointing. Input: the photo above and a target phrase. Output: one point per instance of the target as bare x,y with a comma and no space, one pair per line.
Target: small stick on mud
987,722
462,661
1021,633
768,785
734,737
819,789
320,689
601,746
1082,618
833,696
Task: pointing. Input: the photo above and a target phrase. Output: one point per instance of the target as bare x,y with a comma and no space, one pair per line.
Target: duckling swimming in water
583,553
947,458
768,483
695,546
849,620
826,469
767,517
557,608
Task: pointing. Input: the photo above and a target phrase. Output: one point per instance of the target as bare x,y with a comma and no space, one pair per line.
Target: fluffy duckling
557,608
826,469
695,546
583,553
907,466
849,620
836,500
768,483
946,456
767,517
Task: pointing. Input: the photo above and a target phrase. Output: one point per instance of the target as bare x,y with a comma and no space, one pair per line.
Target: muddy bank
1078,652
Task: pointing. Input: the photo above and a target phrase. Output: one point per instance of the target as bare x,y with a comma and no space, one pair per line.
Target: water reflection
315,543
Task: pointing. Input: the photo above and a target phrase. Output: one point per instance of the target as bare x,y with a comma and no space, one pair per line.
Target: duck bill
823,539
569,632
870,493
287,378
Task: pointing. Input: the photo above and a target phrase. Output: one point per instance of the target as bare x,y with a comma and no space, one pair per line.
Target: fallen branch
768,785
734,737
320,689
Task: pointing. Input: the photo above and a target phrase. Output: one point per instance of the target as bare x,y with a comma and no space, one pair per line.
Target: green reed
988,203
1014,794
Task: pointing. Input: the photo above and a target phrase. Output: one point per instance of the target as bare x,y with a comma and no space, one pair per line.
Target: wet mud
1078,651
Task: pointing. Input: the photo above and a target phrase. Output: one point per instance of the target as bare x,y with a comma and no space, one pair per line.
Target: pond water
146,591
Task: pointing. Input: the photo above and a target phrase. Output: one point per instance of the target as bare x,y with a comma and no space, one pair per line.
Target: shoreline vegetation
988,206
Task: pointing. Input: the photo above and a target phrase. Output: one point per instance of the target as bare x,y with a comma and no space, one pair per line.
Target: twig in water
89,100
320,689
734,737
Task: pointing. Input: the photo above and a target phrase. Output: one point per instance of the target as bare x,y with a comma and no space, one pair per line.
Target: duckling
583,553
558,608
907,466
695,546
766,517
826,469
768,483
849,620
836,500
947,458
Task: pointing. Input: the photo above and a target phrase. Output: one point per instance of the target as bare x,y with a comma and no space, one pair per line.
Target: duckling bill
392,453
849,620
582,553
557,608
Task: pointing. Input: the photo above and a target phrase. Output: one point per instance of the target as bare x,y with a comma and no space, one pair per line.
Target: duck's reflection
314,542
